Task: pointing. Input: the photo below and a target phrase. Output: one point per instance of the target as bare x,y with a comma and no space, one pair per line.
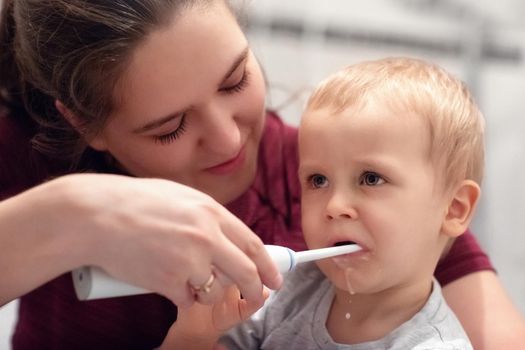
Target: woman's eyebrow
156,123
242,56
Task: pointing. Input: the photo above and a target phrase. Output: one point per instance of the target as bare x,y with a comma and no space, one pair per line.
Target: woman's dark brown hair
74,51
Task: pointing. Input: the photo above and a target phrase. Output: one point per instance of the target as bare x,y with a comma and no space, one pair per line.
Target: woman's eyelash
172,136
239,86
175,134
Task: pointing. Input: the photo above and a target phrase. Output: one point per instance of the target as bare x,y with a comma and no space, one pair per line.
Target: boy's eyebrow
305,167
242,56
158,122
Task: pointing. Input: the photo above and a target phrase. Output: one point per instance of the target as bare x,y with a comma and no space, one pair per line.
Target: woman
157,89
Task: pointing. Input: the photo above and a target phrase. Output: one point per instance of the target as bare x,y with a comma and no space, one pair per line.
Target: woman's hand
153,233
200,326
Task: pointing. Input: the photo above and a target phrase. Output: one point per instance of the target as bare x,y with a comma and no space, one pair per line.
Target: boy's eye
371,179
318,181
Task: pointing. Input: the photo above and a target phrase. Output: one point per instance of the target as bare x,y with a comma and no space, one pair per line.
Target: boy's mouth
338,244
347,260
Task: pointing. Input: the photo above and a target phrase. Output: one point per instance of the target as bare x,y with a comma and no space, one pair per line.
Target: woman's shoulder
277,128
20,167
279,162
12,131
464,257
280,134
278,150
271,207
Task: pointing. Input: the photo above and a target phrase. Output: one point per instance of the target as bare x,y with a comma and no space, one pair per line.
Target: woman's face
190,106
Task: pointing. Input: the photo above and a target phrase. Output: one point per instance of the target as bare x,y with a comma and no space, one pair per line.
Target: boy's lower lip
347,260
230,165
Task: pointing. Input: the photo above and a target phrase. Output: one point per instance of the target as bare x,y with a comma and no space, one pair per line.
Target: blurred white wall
299,42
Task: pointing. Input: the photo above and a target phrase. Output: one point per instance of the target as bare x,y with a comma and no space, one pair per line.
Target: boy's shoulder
435,326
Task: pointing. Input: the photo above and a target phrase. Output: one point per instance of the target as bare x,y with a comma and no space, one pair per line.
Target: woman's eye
239,86
371,179
318,181
173,135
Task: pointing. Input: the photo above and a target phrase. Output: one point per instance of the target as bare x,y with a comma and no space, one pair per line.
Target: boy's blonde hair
455,123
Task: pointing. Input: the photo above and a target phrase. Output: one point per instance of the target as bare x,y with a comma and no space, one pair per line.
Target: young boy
391,158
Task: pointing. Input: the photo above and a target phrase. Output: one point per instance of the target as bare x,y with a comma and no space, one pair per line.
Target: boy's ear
461,208
96,142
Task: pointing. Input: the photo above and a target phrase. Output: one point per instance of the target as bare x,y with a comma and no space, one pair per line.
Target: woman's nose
221,133
340,206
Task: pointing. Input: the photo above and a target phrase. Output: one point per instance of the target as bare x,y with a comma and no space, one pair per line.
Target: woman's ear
96,142
461,208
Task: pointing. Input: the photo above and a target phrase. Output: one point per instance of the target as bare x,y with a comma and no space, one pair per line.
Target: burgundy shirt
51,317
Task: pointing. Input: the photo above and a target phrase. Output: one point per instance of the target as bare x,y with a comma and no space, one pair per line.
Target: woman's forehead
183,61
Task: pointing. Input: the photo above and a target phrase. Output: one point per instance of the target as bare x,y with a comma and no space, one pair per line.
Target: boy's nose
340,207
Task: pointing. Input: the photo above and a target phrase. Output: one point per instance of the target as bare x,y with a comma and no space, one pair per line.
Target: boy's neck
373,316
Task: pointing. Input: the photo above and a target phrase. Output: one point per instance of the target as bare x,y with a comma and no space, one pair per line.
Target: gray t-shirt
295,318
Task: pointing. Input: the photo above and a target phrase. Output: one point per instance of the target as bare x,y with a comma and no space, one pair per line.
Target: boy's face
366,177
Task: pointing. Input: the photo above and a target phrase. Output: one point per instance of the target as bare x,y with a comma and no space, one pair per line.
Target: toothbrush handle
283,257
93,283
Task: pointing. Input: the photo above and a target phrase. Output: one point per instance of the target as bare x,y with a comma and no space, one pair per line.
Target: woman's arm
34,248
175,233
486,312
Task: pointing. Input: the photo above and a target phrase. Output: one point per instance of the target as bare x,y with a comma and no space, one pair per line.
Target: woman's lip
229,165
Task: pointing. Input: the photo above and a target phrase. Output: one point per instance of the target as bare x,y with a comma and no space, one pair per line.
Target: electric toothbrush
93,283
286,259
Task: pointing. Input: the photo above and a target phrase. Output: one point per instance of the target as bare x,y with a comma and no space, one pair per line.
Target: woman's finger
251,245
248,308
239,268
211,290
